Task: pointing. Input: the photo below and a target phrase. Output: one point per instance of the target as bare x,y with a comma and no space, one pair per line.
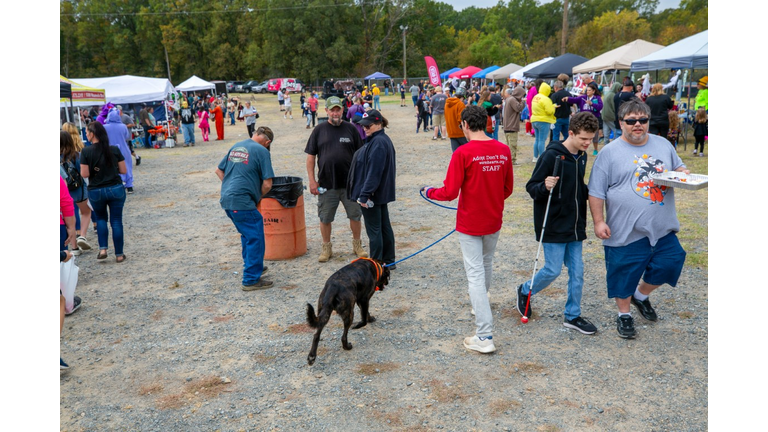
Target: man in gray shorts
332,145
437,103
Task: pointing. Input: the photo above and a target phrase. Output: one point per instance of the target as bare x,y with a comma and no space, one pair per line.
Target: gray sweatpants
478,262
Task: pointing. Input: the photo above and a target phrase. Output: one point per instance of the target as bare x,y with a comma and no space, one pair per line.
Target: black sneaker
581,324
138,160
78,302
645,308
522,299
129,190
626,326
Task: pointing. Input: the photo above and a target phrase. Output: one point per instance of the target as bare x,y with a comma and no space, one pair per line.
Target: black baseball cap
371,117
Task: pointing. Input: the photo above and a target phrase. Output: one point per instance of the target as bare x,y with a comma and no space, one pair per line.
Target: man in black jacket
567,219
562,111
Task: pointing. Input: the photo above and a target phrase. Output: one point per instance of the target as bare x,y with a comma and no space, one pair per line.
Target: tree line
316,39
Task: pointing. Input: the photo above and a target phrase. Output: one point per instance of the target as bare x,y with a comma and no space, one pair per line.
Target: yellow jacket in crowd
542,106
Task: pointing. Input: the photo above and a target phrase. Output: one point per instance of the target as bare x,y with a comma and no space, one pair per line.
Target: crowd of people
352,161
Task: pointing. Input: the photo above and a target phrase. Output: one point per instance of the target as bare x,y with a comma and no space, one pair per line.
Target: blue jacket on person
372,173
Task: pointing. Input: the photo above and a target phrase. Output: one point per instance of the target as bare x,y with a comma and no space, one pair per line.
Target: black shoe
77,302
138,160
392,266
626,326
129,190
581,324
522,300
645,308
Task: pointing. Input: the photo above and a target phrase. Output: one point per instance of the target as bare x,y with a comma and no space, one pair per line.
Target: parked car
232,85
260,88
246,86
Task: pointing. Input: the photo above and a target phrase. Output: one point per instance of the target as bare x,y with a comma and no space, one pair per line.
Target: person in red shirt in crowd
481,170
218,116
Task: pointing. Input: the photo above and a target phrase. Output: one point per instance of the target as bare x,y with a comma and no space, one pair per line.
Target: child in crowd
674,127
700,130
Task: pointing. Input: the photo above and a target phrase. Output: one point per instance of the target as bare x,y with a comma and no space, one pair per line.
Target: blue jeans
542,133
561,127
232,117
376,104
250,225
609,127
556,255
415,99
107,203
496,130
189,133
381,238
656,265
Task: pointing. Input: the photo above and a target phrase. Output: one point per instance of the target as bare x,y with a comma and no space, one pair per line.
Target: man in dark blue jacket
371,183
566,220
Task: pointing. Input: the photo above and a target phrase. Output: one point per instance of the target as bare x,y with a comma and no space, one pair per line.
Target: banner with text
432,71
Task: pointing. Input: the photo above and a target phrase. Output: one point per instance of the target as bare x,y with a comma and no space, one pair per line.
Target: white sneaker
695,151
534,160
82,243
291,117
76,252
482,345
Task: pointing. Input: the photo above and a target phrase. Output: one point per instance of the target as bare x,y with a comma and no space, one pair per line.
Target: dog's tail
311,317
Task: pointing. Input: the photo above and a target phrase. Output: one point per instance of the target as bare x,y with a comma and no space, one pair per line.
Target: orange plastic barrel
285,231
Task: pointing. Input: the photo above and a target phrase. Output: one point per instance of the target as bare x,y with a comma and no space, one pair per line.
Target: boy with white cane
561,197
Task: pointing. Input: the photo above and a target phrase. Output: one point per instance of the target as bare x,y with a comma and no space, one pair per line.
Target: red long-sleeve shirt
482,171
66,205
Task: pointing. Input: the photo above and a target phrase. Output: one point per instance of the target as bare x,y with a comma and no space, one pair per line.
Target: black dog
354,283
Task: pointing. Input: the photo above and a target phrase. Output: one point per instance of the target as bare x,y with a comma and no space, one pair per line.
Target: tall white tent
689,53
518,74
195,83
619,58
503,72
127,89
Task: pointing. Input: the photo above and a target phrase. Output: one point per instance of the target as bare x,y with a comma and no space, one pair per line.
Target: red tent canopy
467,72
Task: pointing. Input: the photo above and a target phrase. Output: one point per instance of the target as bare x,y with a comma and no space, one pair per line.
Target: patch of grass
209,386
697,259
400,311
444,393
223,318
528,367
300,328
369,369
173,401
264,358
685,315
149,389
500,406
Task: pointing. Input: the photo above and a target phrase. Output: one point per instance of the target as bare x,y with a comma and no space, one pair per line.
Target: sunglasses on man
632,122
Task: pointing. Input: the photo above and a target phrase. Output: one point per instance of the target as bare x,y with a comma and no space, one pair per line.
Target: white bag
170,143
68,271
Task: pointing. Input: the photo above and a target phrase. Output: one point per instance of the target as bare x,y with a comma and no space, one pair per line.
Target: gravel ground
169,341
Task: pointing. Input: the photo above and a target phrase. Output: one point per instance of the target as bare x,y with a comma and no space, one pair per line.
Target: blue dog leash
441,239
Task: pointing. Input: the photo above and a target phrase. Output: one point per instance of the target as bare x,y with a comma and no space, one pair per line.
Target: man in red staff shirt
481,170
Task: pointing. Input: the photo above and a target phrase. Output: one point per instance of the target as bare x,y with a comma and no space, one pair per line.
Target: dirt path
169,341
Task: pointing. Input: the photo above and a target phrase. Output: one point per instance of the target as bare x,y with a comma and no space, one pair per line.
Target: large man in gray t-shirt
437,105
641,248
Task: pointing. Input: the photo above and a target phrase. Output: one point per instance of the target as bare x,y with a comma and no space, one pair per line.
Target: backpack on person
74,179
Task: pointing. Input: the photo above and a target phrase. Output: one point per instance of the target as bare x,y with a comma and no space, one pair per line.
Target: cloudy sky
461,4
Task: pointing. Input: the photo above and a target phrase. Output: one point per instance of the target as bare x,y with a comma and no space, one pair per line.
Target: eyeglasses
632,122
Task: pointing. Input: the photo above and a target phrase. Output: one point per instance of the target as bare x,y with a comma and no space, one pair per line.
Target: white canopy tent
130,89
689,53
195,83
619,58
518,74
503,72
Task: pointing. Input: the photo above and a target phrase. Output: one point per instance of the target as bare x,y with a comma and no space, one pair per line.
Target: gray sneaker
625,325
262,284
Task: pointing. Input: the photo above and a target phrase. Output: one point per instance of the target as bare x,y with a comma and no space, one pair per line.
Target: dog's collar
379,269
